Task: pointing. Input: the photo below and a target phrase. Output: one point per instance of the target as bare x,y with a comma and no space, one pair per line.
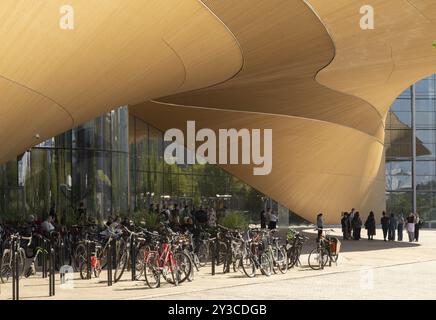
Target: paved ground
365,270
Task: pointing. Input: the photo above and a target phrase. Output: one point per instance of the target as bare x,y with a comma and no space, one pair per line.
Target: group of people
182,218
351,223
268,218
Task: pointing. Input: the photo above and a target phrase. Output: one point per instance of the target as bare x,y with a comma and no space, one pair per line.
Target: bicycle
277,254
294,247
95,262
254,258
163,262
326,251
7,259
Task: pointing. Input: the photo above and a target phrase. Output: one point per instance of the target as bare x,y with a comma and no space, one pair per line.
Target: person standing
357,226
211,217
344,224
273,217
319,225
410,227
400,227
385,225
263,218
393,225
418,224
81,214
370,226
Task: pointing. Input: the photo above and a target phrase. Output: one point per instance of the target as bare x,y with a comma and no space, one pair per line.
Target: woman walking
370,226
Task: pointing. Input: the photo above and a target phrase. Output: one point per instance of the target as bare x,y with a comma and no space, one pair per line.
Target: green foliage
150,220
235,220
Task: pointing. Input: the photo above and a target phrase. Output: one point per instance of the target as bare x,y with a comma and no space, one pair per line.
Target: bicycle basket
334,245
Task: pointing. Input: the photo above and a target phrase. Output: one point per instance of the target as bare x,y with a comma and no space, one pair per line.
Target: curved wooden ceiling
120,52
301,67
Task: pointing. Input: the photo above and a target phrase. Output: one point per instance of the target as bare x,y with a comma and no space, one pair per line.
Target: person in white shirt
273,217
47,226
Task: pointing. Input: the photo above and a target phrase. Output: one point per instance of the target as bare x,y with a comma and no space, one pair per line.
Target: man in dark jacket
345,225
385,225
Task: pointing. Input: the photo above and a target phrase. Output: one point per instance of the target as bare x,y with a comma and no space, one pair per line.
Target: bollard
53,271
109,264
88,260
229,255
133,258
212,250
17,276
14,269
44,259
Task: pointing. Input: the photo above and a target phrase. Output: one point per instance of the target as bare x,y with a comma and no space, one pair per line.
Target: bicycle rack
109,264
133,258
213,249
51,279
44,258
15,270
88,260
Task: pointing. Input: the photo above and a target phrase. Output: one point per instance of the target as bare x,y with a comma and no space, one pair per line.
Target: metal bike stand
133,258
228,256
44,258
109,265
51,279
14,269
213,251
88,260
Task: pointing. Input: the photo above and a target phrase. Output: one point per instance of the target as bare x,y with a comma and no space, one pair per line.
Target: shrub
235,220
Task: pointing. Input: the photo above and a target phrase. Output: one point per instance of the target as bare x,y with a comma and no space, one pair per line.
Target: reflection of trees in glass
399,202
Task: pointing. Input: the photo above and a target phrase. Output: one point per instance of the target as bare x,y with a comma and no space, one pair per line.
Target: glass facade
411,151
114,164
87,164
155,181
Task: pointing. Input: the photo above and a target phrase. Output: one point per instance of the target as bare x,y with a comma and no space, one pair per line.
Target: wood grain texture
328,86
317,165
120,52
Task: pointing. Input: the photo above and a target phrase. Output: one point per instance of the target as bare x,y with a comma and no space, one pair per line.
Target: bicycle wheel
151,271
280,259
222,253
248,266
317,258
292,257
266,264
121,266
140,261
21,261
203,254
183,266
170,272
79,256
83,270
5,266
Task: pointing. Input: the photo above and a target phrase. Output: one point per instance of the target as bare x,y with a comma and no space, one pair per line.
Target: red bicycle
174,267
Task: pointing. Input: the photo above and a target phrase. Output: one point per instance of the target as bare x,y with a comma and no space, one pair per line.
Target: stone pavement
366,270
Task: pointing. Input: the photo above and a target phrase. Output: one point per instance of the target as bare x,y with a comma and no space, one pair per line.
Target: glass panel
426,136
399,202
425,168
426,205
